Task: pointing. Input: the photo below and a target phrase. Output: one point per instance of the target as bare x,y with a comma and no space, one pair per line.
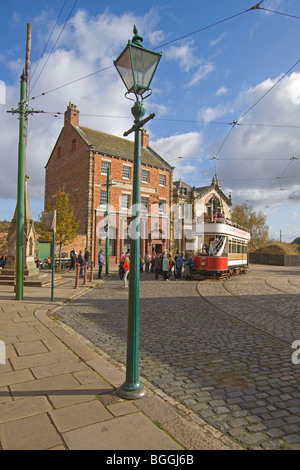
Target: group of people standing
180,266
81,259
161,264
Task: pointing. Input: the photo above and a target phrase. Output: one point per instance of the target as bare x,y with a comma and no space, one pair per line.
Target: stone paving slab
58,390
221,349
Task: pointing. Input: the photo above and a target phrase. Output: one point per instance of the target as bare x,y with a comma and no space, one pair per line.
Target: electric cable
55,43
157,47
45,48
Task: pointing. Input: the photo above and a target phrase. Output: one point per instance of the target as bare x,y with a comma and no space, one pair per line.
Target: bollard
77,276
91,275
85,274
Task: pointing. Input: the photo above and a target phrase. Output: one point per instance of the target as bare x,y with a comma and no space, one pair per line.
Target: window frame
106,164
102,192
144,172
128,201
128,168
162,180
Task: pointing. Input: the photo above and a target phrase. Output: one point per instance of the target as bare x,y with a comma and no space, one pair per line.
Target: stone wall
277,260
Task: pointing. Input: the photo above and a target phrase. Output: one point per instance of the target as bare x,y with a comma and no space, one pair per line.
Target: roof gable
121,148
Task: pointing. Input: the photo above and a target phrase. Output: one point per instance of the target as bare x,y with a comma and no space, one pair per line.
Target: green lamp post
136,66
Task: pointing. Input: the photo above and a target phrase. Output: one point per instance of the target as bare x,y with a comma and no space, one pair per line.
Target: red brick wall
69,172
116,172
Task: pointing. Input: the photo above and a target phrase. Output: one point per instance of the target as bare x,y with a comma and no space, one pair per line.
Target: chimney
145,138
72,115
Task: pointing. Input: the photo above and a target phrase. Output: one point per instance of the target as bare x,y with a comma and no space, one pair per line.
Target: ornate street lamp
136,66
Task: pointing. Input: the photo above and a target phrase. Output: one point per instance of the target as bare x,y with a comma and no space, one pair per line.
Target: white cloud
178,150
222,91
79,52
215,42
185,55
203,70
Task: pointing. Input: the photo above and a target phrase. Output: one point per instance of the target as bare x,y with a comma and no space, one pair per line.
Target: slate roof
114,146
202,190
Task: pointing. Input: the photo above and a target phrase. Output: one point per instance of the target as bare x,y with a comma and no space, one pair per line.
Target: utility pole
27,74
21,191
23,112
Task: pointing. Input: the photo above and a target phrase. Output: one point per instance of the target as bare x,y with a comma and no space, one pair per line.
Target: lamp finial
137,39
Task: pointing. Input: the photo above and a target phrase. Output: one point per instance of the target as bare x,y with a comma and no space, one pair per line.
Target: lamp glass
124,67
136,66
144,64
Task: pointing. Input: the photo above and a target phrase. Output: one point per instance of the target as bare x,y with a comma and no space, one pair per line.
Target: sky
226,93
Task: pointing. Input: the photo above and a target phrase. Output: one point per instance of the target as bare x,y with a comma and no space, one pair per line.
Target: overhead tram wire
157,47
45,48
206,27
72,9
279,13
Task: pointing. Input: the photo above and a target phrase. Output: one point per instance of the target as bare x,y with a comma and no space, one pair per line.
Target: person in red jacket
126,273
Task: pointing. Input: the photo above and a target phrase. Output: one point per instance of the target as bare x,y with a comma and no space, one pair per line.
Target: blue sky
205,81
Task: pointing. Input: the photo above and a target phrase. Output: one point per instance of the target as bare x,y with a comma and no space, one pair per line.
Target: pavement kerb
180,423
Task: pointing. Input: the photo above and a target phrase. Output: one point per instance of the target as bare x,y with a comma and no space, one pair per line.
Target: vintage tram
224,251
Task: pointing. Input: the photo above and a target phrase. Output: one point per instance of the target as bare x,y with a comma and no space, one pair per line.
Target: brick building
78,165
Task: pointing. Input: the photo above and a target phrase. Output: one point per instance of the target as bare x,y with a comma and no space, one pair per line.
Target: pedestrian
73,259
87,258
166,267
141,265
126,268
147,260
157,265
81,263
186,266
179,264
172,266
101,263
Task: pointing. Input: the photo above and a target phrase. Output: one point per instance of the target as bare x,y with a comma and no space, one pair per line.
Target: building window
125,201
112,247
103,198
59,152
162,206
144,204
73,145
104,166
145,176
126,172
162,180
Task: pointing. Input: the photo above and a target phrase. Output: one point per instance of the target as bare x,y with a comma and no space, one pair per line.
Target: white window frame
103,204
104,165
162,179
162,203
144,172
144,207
126,168
128,201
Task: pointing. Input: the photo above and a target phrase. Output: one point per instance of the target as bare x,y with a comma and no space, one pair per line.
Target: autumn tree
66,224
255,223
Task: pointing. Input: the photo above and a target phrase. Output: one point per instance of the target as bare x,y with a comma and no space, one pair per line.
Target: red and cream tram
224,250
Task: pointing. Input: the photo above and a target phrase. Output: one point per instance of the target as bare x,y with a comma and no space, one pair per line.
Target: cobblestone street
223,349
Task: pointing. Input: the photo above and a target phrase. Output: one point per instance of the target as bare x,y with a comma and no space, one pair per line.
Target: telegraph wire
72,9
49,38
157,47
73,81
202,29
279,13
189,121
268,91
